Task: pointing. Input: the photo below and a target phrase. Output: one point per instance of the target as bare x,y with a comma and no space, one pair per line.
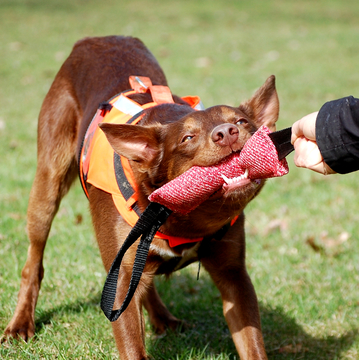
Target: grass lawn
302,231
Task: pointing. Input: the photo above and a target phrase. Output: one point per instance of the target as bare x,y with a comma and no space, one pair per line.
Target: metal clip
140,82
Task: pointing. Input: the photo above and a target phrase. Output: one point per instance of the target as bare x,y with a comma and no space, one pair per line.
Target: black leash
150,221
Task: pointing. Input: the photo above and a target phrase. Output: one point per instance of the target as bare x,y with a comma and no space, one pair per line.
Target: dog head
172,138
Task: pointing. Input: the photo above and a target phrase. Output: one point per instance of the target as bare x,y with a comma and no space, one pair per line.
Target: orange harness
101,167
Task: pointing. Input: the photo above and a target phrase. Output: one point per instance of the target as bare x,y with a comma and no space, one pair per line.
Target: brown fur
169,140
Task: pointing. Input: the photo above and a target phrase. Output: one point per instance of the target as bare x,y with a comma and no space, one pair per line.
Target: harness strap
160,94
127,191
140,83
150,221
127,106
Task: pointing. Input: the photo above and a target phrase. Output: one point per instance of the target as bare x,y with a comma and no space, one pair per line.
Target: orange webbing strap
161,94
140,83
194,101
176,240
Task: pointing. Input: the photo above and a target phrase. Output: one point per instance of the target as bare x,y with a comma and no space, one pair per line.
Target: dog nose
225,134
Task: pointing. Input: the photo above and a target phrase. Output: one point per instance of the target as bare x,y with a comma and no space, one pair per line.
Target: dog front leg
225,261
129,328
129,332
240,308
111,230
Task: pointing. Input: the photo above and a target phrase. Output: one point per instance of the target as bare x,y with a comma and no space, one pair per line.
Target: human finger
304,127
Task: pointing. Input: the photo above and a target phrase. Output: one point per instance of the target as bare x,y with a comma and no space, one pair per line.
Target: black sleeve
337,134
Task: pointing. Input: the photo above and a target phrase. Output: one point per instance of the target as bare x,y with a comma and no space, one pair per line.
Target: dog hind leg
159,315
56,170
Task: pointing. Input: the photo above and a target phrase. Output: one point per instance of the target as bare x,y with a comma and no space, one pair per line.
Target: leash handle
150,221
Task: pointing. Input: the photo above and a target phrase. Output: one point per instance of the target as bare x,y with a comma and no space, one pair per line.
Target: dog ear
135,142
263,107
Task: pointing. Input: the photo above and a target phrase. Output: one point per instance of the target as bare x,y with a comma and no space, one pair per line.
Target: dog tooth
235,179
224,177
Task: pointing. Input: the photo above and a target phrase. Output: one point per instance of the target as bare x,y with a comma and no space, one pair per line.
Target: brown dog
170,139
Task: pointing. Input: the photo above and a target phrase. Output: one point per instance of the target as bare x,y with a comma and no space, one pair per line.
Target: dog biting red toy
257,160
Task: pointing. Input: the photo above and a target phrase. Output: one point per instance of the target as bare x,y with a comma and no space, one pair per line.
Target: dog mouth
241,171
235,183
237,178
232,184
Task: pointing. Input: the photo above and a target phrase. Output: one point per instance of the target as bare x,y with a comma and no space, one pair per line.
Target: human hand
305,127
307,153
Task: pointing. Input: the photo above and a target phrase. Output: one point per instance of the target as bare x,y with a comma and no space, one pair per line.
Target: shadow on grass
206,335
209,338
286,339
81,305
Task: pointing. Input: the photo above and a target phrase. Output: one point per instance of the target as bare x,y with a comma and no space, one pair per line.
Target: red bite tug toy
257,160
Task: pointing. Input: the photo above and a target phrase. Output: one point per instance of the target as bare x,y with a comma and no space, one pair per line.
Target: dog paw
18,331
172,324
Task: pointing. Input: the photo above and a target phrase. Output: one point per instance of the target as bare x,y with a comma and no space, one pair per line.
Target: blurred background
302,231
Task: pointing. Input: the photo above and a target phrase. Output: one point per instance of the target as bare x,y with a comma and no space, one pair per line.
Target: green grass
222,51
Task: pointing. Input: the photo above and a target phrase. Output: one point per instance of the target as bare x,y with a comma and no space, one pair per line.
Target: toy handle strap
147,225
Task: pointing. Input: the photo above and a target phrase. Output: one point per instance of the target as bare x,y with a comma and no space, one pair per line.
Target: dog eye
241,121
187,138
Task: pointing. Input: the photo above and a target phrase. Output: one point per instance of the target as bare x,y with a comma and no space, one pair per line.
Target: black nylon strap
281,140
122,182
150,221
121,179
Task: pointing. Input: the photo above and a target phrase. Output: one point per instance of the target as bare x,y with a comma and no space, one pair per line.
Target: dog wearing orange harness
172,135
117,178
